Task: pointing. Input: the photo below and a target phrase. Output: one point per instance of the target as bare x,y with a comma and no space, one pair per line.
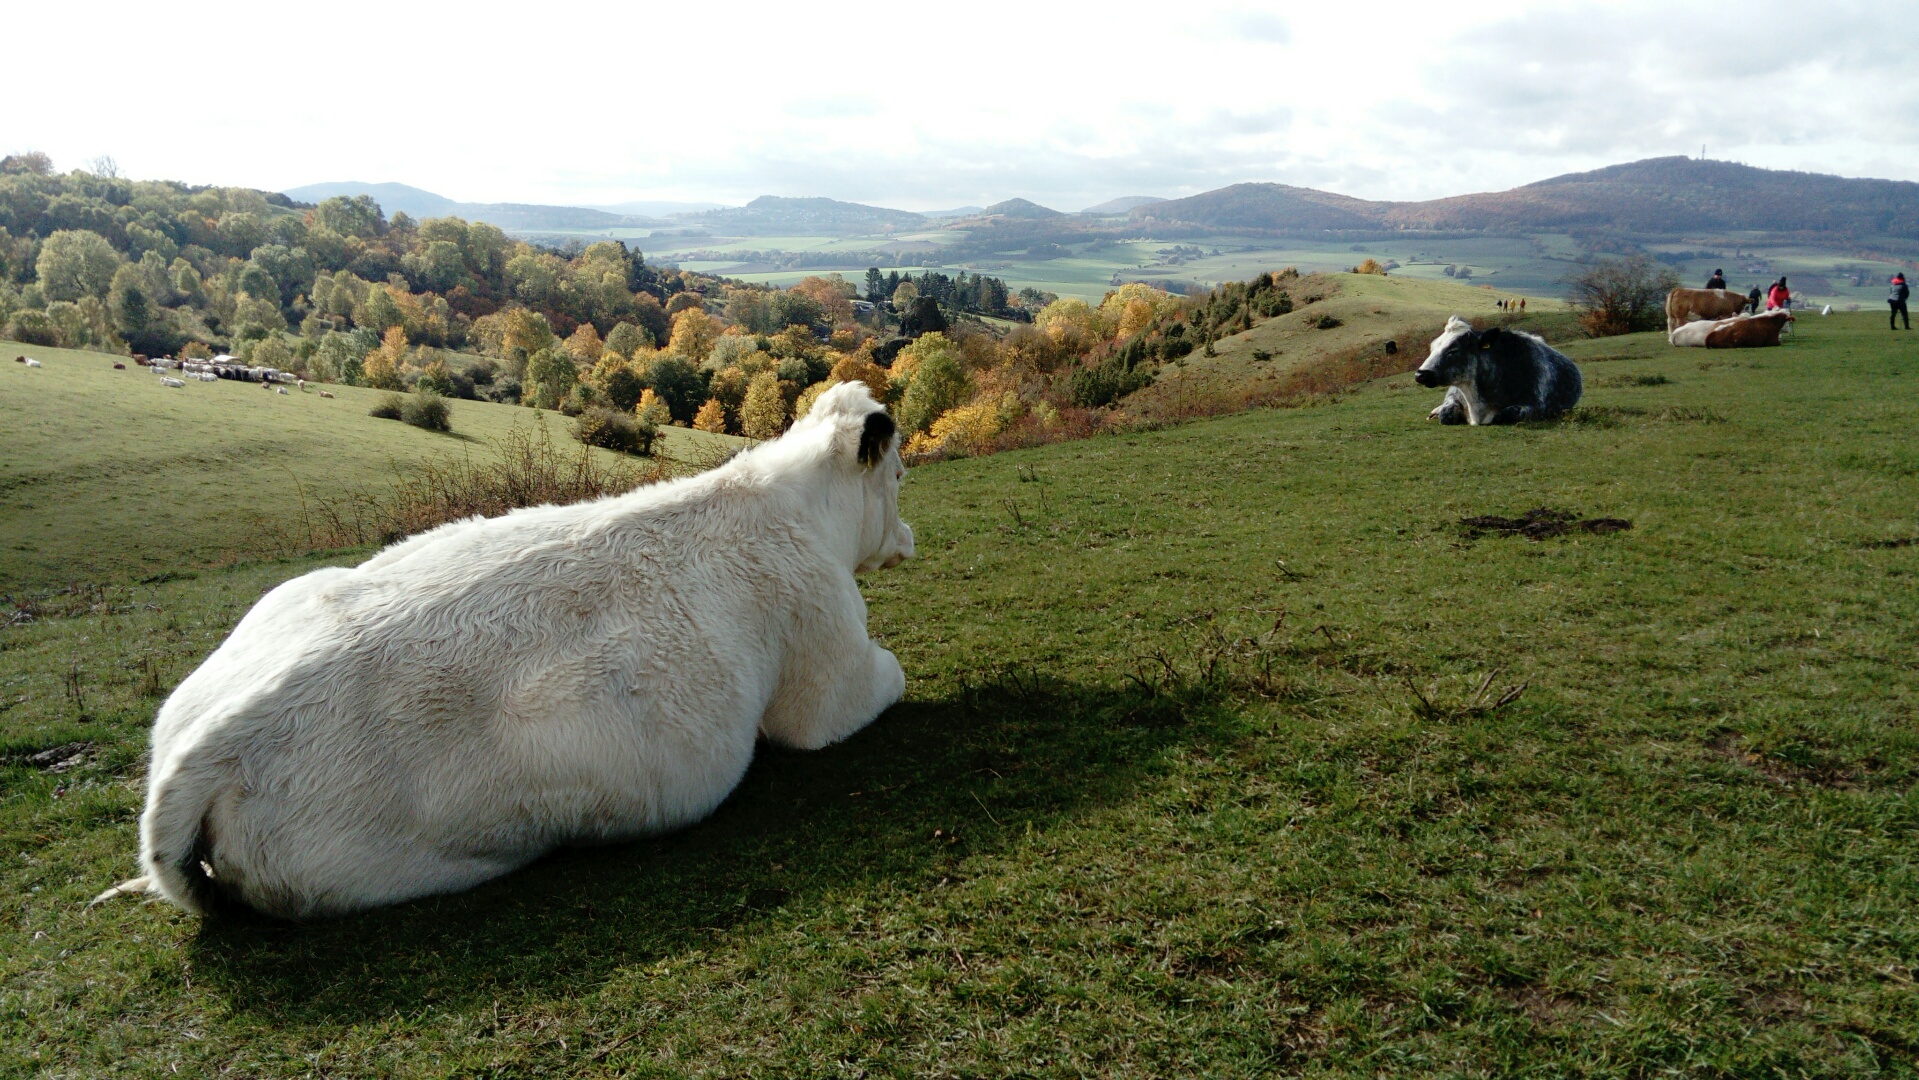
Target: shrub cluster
611,429
421,409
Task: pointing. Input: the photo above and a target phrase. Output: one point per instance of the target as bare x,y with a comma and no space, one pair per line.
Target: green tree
679,383
136,318
550,375
74,263
358,216
626,339
937,384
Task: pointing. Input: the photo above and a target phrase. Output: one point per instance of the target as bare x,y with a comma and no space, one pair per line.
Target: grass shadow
904,803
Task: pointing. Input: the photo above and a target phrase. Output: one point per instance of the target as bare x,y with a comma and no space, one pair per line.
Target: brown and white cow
1738,332
1688,305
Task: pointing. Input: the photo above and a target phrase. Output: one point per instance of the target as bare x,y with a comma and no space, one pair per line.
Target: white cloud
1067,104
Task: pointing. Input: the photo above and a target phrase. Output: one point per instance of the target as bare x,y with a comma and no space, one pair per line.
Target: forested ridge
339,292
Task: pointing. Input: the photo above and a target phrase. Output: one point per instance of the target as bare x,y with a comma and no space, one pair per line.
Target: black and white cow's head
1457,354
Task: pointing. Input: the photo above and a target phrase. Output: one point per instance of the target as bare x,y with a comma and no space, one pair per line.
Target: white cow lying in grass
478,695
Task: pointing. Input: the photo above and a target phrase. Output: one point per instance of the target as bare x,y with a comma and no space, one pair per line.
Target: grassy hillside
107,472
1192,780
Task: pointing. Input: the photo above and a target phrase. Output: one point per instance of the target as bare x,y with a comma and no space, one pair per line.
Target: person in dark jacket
1752,300
1717,280
1898,301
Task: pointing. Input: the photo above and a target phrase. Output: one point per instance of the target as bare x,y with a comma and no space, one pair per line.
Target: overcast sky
928,106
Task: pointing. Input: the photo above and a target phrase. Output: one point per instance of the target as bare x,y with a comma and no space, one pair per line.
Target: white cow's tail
177,841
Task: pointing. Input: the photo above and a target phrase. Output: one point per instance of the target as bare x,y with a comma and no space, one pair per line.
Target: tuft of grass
526,468
1631,380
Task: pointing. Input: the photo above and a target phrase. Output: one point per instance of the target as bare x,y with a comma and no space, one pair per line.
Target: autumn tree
381,368
859,367
711,417
652,409
763,413
1620,296
585,344
694,332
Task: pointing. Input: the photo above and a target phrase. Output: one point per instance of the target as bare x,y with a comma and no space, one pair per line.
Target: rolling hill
513,217
1123,204
1655,197
772,215
1022,209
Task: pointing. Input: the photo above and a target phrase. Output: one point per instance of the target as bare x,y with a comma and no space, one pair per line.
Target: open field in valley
1194,776
108,472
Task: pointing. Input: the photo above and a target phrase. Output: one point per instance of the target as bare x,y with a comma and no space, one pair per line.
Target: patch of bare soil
1539,523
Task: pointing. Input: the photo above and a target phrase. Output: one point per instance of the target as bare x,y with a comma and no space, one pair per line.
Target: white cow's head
864,439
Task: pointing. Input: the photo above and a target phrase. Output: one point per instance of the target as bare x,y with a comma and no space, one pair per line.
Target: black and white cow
1497,376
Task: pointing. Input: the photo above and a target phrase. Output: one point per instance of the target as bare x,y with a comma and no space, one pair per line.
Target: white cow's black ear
874,438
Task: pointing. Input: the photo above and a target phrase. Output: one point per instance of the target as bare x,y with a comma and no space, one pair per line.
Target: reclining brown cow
1686,305
1738,332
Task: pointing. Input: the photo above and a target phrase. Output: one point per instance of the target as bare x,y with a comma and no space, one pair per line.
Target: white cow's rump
473,697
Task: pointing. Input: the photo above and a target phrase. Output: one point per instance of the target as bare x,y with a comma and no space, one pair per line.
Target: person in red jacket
1779,297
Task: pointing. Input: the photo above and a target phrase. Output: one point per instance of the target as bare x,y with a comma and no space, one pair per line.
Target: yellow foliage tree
383,365
763,413
694,333
1370,266
971,428
1136,316
585,344
729,389
523,329
711,417
859,367
804,404
1068,322
652,409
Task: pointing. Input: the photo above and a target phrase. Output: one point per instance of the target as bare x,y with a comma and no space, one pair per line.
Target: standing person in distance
1898,301
1752,301
1717,280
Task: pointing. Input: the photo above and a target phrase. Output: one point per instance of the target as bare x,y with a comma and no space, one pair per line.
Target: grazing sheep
119,367
168,381
1497,376
481,694
326,393
33,363
280,389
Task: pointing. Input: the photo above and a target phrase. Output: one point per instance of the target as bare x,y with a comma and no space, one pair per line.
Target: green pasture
109,473
1195,776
